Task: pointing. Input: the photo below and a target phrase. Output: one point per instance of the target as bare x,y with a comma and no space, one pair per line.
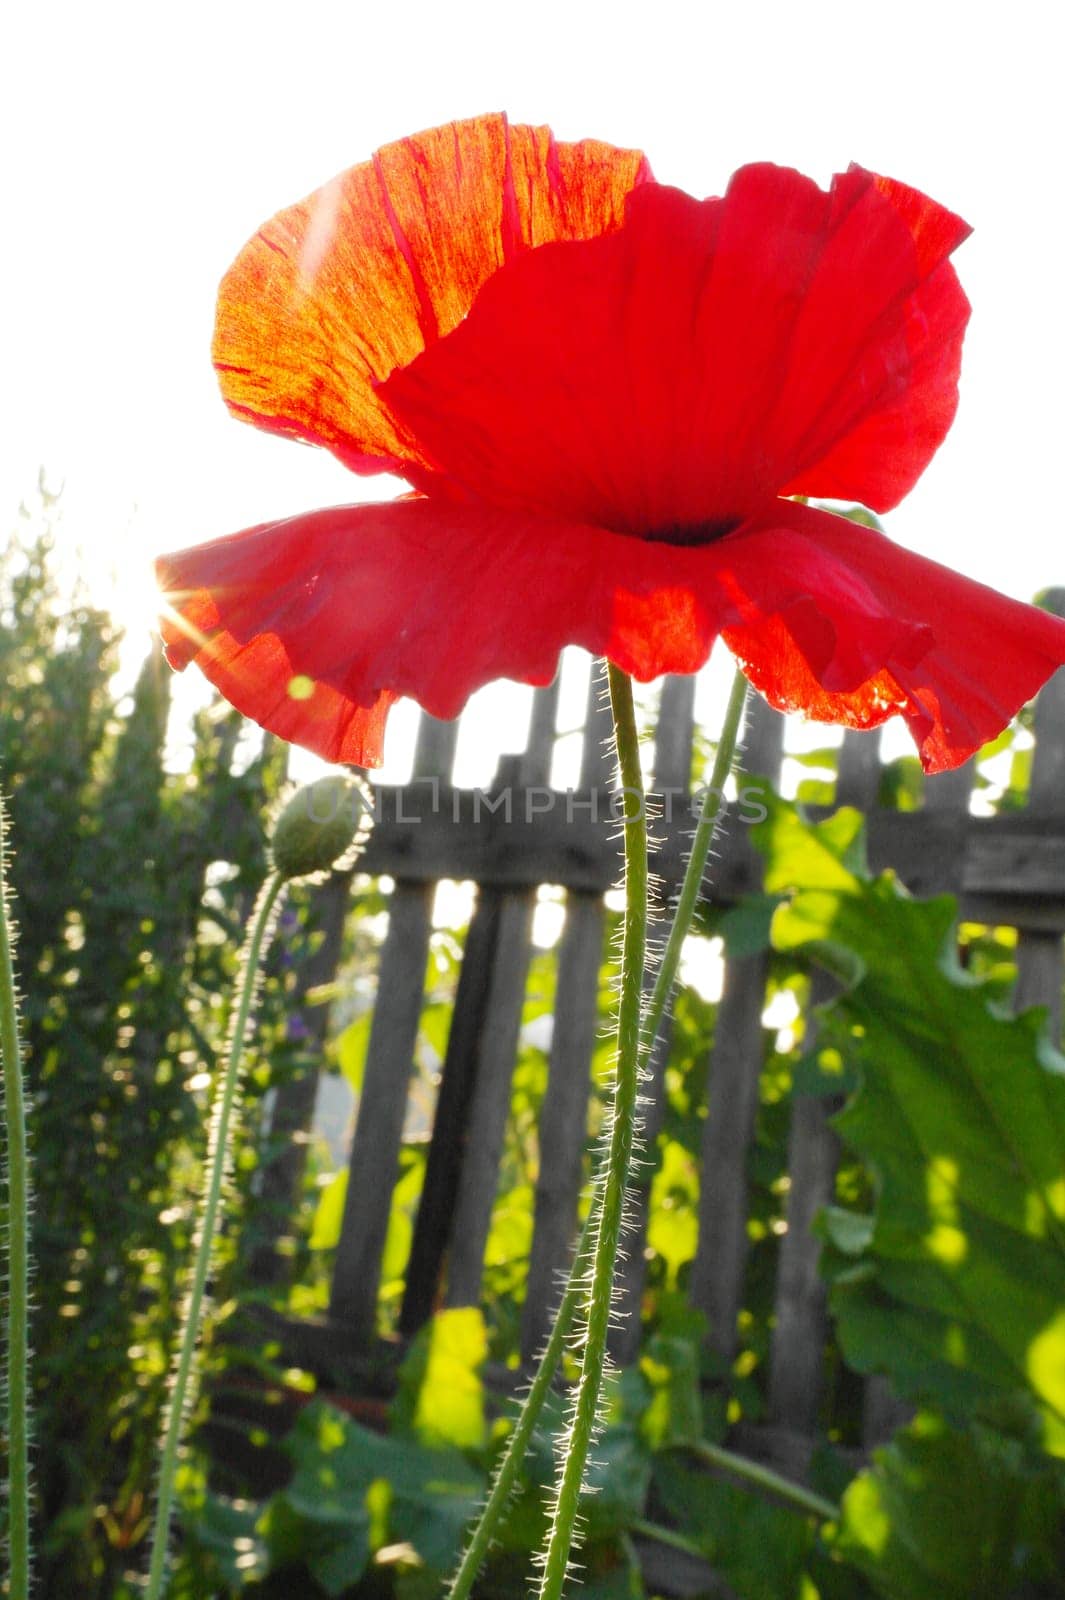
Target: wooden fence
1008,869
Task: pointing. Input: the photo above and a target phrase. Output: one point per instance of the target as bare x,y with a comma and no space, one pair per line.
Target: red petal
334,293
877,350
686,368
972,658
315,625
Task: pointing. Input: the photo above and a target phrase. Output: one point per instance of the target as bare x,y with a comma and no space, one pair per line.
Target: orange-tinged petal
335,292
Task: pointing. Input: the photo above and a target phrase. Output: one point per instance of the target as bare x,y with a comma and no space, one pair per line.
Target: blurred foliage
130,884
956,1514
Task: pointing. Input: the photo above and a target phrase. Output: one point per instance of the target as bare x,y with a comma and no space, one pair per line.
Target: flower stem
667,1536
183,1391
765,1478
18,1190
514,1455
518,1442
619,1149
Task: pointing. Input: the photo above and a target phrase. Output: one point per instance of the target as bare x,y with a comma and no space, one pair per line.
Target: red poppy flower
606,395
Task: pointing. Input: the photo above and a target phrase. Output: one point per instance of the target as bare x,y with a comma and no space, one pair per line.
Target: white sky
144,144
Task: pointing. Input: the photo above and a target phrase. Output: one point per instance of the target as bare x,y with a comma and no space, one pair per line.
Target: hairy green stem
518,1443
667,1536
182,1394
621,1139
765,1478
18,1201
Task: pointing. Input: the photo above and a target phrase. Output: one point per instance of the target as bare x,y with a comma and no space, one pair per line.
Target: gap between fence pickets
717,1272
374,1161
498,1036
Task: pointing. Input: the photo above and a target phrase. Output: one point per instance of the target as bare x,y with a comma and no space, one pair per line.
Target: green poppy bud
322,825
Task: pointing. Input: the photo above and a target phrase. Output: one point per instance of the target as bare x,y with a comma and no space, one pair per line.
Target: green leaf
400,1233
952,1516
329,1212
830,855
434,1026
959,1293
828,863
225,1531
815,792
670,1368
823,1072
853,513
827,757
848,1231
673,1226
759,1548
441,1397
327,1532
1021,769
510,1235
320,1520
433,1493
611,1571
745,927
351,1047
901,784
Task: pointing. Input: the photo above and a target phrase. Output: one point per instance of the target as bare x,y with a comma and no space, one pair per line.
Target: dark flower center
695,533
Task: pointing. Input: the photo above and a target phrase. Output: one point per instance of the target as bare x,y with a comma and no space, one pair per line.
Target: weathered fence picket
498,1045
